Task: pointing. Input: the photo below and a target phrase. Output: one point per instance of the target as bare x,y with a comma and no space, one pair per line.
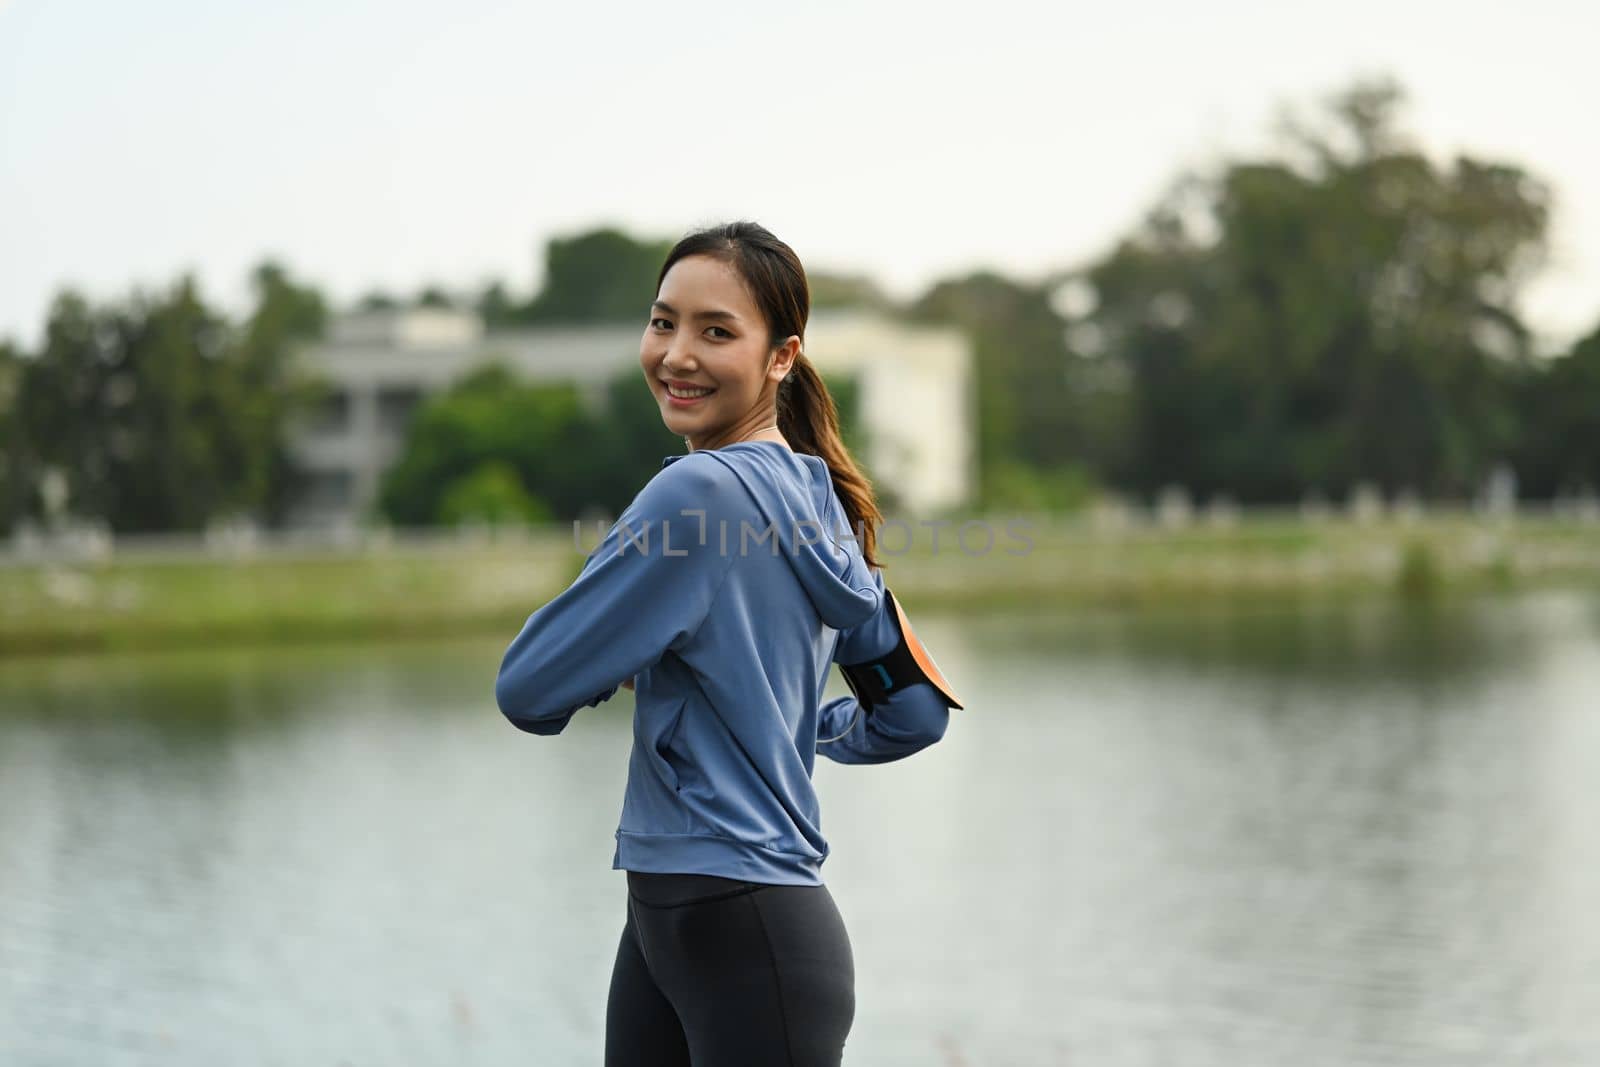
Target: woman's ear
782,362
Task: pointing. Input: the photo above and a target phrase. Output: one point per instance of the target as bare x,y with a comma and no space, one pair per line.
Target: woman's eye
665,325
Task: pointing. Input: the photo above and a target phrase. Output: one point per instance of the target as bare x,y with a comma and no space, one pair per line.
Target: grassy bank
393,589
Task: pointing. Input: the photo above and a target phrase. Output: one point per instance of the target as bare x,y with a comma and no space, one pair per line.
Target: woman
721,595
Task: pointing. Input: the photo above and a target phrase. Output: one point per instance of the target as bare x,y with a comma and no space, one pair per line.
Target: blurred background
1275,333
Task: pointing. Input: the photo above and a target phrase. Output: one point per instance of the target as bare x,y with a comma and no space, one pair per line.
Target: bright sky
389,144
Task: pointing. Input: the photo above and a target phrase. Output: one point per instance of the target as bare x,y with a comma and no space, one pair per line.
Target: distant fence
1170,513
79,588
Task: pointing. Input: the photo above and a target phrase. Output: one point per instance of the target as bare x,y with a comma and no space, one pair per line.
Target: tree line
1342,312
492,448
156,412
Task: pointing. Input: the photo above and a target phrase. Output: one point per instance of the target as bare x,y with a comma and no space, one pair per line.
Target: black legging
713,972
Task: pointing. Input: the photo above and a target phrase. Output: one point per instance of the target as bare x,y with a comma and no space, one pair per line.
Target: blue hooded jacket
726,590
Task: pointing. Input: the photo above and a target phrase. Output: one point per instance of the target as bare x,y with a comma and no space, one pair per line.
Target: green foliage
542,439
594,276
11,487
1025,407
1342,311
1558,448
830,291
495,306
630,441
846,392
1419,577
1349,317
599,276
156,412
493,493
1020,487
269,388
487,416
564,456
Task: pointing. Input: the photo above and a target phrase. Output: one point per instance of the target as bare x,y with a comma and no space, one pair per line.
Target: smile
688,394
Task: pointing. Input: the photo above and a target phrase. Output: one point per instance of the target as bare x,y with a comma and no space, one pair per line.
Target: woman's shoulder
694,482
692,472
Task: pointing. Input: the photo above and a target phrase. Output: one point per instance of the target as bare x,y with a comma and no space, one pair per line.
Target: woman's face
705,332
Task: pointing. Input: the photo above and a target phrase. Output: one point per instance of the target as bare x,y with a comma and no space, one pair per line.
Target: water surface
1343,835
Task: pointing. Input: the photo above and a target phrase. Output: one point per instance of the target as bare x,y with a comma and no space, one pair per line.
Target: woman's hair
807,415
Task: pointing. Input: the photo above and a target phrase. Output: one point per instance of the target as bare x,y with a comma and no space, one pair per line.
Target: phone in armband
908,663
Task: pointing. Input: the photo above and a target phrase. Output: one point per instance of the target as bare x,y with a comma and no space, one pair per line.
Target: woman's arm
904,724
901,703
643,591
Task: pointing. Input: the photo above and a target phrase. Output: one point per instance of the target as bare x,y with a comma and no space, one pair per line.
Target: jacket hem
714,854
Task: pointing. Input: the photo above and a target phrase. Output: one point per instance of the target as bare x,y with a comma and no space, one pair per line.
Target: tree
490,417
599,276
158,413
1558,450
829,290
123,400
495,306
1343,314
541,442
604,275
12,503
1028,416
271,387
492,493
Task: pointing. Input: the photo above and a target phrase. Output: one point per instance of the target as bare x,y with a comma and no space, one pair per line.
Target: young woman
721,596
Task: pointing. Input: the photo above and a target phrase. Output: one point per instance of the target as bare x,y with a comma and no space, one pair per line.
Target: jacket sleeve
907,721
643,591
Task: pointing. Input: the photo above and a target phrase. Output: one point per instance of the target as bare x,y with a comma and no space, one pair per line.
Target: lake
1340,834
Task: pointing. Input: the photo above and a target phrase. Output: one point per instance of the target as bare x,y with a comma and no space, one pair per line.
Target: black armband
906,664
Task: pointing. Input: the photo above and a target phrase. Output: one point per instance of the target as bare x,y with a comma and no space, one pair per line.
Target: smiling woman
723,353
732,951
705,339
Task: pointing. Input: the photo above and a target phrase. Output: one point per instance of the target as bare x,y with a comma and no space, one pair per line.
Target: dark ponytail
809,420
807,416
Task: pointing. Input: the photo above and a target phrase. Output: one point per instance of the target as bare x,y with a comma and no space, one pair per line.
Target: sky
391,145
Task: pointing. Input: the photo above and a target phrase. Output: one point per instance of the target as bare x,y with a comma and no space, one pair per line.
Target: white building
915,388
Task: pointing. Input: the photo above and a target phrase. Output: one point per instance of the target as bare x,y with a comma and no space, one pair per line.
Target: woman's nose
678,358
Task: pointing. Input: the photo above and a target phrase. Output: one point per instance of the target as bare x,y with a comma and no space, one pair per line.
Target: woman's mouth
686,397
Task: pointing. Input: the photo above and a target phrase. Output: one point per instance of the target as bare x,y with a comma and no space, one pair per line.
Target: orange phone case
921,654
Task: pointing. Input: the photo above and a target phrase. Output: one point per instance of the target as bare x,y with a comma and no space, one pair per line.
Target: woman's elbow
512,699
505,695
931,730
924,724
542,727
941,724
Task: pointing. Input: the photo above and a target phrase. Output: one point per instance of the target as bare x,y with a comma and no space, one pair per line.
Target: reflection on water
1339,835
